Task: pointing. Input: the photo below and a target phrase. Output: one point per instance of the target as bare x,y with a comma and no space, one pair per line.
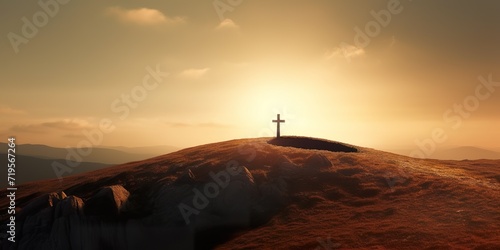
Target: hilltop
294,193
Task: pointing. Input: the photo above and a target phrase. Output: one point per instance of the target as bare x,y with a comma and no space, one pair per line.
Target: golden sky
380,74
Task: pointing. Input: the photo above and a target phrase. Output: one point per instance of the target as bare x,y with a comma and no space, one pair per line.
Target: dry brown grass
366,200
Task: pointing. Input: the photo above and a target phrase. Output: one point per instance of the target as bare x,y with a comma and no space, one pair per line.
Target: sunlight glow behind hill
226,77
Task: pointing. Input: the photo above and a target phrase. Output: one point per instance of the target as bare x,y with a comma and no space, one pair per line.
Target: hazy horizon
380,74
451,152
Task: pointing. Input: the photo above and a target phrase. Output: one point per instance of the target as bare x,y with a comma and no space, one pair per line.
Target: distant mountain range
29,168
465,153
34,161
111,155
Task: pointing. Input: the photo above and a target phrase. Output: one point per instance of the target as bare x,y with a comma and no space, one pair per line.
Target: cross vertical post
278,121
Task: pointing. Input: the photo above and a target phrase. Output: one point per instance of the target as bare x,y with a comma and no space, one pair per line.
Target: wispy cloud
5,110
227,24
194,73
196,125
144,16
74,136
43,127
346,51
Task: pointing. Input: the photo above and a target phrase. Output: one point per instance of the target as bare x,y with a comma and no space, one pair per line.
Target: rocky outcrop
317,161
284,167
226,199
107,202
232,207
57,221
42,202
71,205
39,217
183,211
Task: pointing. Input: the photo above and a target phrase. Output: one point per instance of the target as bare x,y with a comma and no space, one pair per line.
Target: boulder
279,159
42,202
39,215
317,161
72,205
107,202
283,167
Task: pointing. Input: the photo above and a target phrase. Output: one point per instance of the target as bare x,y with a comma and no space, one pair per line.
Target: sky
384,74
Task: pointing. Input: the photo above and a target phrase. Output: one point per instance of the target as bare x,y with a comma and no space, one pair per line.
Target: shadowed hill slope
251,194
34,169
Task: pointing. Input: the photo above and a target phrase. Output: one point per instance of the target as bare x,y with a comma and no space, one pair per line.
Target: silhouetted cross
278,121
